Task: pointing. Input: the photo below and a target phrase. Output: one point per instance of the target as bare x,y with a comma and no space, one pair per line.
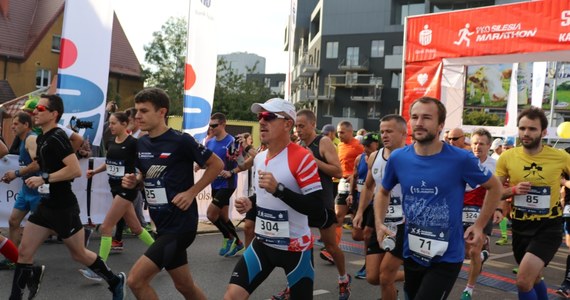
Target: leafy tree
234,95
480,117
165,57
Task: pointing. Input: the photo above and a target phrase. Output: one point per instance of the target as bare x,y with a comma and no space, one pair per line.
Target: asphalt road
212,272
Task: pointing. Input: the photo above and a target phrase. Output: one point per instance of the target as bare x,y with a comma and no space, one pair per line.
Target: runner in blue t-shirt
433,176
164,158
224,146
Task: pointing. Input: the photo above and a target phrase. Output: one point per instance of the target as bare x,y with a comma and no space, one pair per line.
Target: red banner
538,26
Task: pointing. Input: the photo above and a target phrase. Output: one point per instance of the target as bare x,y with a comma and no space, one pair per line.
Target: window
352,56
267,82
332,49
43,78
56,43
348,112
373,110
405,8
377,49
397,50
395,84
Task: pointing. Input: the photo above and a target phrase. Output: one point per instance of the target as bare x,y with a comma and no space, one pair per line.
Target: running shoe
226,245
89,274
466,295
283,295
564,289
516,270
234,249
504,241
361,274
347,226
148,227
325,255
35,281
7,265
484,256
117,245
344,288
119,290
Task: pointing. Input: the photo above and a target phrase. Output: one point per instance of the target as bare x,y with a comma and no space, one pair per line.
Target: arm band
308,204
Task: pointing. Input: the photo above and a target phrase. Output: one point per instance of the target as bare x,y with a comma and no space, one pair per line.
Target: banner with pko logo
200,69
83,73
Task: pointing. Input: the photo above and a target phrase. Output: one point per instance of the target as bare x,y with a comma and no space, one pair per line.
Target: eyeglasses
214,125
454,138
42,108
269,116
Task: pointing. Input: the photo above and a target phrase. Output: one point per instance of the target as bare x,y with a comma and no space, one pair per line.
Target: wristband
514,190
17,173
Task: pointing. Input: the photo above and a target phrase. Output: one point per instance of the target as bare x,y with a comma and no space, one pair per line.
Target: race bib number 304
272,226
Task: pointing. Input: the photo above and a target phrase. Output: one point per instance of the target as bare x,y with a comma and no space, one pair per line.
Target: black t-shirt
121,159
167,163
326,180
52,147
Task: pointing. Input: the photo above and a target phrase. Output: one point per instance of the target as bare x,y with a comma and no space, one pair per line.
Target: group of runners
420,209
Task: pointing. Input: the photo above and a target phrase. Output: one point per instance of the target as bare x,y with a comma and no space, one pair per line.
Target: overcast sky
253,26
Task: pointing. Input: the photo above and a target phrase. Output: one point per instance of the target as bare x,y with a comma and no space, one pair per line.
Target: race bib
155,192
427,242
343,186
470,214
537,201
115,170
272,226
44,189
394,213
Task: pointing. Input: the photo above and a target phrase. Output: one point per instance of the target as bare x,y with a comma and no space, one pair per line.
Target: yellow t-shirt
543,171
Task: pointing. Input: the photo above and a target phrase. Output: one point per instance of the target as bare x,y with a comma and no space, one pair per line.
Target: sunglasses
42,108
269,116
454,138
214,125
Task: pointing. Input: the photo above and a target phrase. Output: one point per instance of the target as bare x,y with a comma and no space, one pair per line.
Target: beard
533,144
426,139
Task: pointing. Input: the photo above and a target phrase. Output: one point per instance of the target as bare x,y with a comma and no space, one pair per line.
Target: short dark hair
24,118
121,116
441,111
534,113
55,104
346,124
156,96
483,132
219,116
131,112
399,119
309,114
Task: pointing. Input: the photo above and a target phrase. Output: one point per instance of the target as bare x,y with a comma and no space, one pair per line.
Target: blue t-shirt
24,157
433,188
362,171
165,162
220,148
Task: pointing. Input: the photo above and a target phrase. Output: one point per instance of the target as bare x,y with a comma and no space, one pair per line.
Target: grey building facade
347,55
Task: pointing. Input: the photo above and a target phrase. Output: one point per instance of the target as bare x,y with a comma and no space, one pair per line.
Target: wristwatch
45,177
17,173
279,191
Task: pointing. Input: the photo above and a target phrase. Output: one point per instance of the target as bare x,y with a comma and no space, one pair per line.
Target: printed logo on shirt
164,155
423,188
155,171
145,155
533,170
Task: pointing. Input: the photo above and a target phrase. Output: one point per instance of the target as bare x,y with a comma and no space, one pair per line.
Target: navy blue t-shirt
167,163
220,148
432,189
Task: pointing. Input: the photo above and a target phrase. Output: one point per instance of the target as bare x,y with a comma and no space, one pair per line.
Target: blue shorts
27,199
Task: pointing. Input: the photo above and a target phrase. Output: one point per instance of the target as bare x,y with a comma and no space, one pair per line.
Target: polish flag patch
164,155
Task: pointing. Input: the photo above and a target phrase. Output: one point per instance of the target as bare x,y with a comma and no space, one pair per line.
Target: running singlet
52,148
167,161
121,159
543,171
433,188
394,214
220,148
278,225
24,157
326,180
347,153
474,197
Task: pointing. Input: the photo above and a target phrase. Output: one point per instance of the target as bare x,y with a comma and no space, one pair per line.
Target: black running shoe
564,289
35,281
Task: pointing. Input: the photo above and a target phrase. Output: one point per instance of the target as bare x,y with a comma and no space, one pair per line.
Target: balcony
307,67
303,95
354,80
360,64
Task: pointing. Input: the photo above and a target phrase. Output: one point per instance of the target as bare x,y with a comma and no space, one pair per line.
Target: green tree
234,95
480,117
165,59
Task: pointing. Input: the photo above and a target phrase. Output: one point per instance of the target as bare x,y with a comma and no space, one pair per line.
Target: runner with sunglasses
288,189
456,137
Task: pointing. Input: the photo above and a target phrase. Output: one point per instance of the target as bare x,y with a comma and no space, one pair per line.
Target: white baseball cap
276,105
496,143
